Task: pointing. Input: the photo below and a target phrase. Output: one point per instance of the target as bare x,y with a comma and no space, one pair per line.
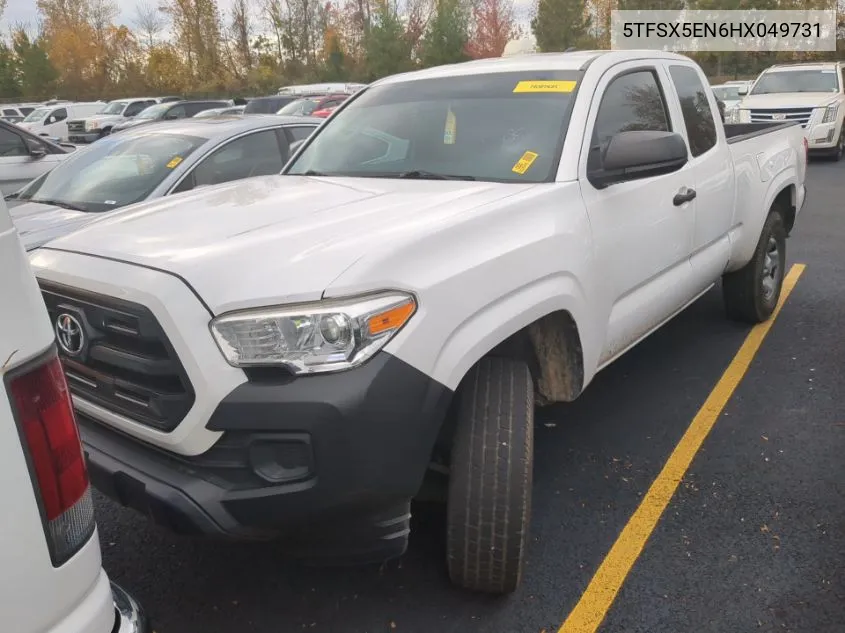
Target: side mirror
36,149
639,154
742,91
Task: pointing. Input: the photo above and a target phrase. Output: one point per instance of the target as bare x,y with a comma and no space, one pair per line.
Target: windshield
115,107
113,172
300,106
154,111
796,81
503,127
37,114
727,93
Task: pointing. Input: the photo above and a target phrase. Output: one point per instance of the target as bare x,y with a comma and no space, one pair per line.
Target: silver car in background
149,162
25,156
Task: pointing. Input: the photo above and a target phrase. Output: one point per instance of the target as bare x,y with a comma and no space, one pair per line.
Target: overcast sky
24,11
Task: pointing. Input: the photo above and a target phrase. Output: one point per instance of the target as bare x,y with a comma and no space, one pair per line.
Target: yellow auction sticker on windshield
174,162
545,86
524,163
450,128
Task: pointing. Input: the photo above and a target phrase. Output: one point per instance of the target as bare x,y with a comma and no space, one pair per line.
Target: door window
632,102
136,107
11,144
698,117
257,154
57,115
300,133
8,112
176,112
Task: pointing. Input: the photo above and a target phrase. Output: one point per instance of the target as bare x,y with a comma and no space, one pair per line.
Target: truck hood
39,223
790,100
104,118
277,239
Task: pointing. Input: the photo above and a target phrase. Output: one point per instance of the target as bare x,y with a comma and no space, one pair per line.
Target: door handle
685,194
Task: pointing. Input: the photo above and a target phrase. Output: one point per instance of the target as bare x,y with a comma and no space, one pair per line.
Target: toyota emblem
70,335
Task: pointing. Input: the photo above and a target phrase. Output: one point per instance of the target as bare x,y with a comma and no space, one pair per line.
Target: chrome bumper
129,616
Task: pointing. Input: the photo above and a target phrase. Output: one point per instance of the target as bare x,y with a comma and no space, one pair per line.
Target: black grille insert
126,363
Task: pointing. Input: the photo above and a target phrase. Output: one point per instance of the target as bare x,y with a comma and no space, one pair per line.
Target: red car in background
317,106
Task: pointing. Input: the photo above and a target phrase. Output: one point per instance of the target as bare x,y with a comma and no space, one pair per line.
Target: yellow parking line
597,599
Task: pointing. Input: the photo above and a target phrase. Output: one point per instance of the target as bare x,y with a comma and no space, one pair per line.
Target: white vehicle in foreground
810,94
291,355
51,580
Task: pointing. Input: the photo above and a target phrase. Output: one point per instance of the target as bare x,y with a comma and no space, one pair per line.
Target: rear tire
752,292
489,499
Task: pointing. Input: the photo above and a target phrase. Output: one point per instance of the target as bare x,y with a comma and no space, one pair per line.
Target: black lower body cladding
328,462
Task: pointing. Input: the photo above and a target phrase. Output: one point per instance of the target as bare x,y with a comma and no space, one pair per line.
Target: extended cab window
698,117
632,102
502,127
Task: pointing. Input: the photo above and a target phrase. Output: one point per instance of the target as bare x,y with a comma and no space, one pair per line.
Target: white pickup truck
289,356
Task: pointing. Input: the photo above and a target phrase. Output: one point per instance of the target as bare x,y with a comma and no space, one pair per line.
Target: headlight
91,125
732,115
313,338
830,113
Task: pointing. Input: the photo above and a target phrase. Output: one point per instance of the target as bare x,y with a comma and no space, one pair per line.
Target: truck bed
736,132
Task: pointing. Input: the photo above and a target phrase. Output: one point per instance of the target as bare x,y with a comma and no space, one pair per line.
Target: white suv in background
812,94
51,579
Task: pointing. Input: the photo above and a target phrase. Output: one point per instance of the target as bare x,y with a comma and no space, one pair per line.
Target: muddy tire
489,499
752,292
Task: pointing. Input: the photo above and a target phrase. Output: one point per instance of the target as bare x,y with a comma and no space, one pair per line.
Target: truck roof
576,60
807,66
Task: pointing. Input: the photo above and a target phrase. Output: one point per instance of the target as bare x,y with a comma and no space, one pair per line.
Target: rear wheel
489,499
752,292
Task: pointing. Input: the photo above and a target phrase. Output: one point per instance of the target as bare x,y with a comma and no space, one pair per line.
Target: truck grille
76,127
801,115
123,361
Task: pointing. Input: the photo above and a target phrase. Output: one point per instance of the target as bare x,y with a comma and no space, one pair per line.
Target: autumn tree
196,26
445,39
240,33
493,26
559,24
9,83
387,50
37,74
149,21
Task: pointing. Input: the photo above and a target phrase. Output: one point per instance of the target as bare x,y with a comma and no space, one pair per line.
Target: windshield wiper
311,172
58,203
12,196
421,174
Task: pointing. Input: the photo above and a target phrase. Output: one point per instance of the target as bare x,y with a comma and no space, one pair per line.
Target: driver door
17,165
642,239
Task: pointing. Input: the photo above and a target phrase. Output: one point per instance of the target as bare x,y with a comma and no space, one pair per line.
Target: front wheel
839,152
489,498
752,292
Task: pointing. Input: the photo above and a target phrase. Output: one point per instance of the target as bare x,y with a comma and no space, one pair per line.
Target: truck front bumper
328,462
87,137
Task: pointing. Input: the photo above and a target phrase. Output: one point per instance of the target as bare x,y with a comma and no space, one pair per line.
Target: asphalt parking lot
753,538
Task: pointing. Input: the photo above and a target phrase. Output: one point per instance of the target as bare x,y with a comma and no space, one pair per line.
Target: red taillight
321,113
45,414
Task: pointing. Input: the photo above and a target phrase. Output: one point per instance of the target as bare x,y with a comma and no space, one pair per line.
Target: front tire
838,153
489,498
752,292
